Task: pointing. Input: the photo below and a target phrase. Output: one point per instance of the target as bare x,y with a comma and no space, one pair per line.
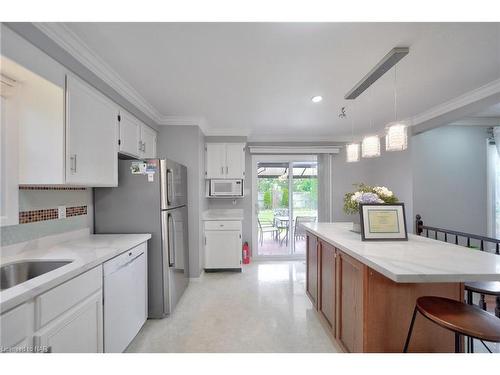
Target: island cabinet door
327,275
312,269
350,288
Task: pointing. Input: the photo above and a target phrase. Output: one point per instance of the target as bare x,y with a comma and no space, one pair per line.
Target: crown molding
481,93
478,121
77,48
221,132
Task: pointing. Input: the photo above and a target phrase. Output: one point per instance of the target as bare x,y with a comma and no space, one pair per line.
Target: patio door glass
287,194
304,201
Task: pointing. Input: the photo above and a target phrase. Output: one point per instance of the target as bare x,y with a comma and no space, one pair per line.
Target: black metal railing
469,238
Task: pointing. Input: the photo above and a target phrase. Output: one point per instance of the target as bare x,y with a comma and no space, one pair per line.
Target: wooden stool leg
410,330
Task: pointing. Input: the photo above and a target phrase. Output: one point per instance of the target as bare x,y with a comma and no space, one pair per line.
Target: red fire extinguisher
246,253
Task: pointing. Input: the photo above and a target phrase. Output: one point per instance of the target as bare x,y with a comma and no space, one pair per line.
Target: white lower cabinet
65,319
223,245
79,330
16,327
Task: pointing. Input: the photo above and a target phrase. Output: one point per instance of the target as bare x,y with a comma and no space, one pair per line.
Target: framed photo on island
383,222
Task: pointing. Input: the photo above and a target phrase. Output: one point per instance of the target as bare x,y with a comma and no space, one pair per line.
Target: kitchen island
365,292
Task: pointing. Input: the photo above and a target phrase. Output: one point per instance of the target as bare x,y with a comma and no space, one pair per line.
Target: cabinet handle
144,146
140,145
222,170
73,163
227,169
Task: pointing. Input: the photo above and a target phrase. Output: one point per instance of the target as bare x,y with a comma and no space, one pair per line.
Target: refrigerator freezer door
176,250
174,184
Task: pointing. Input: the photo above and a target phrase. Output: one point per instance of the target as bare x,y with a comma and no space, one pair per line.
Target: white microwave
226,188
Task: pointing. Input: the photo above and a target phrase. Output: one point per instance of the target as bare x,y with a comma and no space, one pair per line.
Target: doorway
285,194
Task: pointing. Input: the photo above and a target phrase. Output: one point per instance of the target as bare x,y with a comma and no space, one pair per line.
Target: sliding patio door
285,194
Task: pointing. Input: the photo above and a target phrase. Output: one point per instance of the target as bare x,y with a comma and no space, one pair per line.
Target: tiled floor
262,309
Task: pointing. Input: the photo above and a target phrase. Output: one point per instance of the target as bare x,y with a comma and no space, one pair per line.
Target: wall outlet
61,212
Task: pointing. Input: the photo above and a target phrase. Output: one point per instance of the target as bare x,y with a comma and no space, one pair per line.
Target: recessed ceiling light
316,99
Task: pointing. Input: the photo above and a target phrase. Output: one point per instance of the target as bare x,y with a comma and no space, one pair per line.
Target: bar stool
458,317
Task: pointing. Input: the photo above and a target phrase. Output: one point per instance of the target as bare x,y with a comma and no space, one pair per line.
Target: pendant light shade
352,152
370,147
396,137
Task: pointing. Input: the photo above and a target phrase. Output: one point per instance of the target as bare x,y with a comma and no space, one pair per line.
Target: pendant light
370,146
352,149
396,136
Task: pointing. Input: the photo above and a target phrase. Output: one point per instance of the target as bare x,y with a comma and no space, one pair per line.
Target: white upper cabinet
9,191
148,139
235,160
215,160
136,138
225,160
91,136
130,134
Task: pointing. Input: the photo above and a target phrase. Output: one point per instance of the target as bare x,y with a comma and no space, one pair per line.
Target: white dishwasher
125,298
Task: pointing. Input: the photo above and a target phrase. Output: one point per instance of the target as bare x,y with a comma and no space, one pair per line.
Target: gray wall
450,178
42,199
185,145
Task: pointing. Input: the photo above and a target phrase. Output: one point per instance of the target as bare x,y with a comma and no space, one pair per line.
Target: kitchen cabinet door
222,249
215,160
326,303
91,136
79,330
235,160
130,135
312,268
16,326
350,298
9,189
148,139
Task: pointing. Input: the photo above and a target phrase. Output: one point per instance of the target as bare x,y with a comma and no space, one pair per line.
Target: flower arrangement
367,194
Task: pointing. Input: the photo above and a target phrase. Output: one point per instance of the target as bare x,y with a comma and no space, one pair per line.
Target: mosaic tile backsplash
38,216
26,217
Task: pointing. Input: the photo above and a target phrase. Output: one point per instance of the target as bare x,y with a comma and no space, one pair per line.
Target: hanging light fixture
396,136
352,152
370,146
352,149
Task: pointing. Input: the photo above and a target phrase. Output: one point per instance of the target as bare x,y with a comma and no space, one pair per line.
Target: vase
356,223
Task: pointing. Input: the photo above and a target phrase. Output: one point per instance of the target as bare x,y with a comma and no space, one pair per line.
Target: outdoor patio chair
266,227
299,231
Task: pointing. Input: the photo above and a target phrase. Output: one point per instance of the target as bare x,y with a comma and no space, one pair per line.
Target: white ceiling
257,79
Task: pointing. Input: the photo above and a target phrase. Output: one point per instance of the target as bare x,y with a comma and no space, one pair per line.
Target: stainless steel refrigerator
151,197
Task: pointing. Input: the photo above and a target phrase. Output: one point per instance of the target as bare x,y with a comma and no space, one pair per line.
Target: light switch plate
61,212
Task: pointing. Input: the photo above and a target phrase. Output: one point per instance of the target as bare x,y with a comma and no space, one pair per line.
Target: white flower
356,196
383,191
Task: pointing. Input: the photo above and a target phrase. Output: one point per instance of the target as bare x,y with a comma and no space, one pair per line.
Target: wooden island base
365,311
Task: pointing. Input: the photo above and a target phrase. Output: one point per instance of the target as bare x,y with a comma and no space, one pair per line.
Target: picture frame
383,222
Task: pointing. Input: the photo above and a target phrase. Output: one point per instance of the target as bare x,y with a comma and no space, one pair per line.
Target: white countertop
85,253
223,214
419,259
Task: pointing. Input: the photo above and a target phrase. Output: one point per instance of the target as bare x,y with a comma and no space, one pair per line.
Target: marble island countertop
85,252
417,260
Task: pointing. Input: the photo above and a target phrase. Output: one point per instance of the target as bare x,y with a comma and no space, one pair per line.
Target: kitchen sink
17,273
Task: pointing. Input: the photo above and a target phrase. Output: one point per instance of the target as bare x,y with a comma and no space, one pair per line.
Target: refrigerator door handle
170,186
171,241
